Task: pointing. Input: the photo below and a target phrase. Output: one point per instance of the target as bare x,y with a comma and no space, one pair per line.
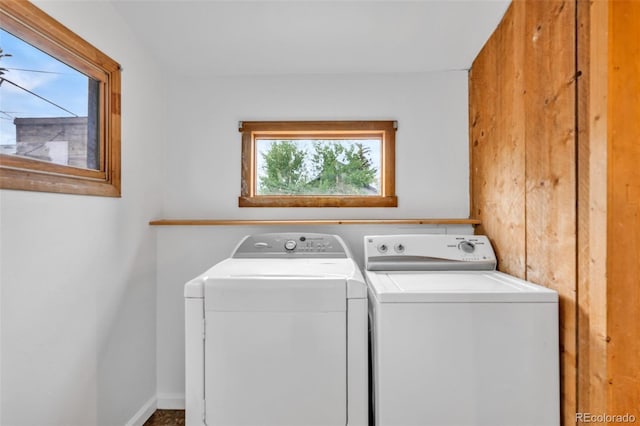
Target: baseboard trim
171,401
144,413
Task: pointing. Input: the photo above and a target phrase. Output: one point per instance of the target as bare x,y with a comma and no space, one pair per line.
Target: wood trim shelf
232,222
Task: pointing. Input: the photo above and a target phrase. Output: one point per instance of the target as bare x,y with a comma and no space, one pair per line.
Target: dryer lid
455,287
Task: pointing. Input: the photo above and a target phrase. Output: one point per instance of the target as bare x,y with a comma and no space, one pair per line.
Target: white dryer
454,342
276,335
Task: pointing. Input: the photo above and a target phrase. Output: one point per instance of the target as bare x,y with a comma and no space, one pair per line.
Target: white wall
432,167
78,273
203,171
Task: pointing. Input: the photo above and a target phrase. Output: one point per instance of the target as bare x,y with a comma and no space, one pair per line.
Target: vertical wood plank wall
592,205
496,85
609,208
550,207
563,209
522,136
623,208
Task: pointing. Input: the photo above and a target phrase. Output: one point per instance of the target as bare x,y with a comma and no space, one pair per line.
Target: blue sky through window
51,80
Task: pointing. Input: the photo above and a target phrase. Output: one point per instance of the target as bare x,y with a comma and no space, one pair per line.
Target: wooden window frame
26,21
252,130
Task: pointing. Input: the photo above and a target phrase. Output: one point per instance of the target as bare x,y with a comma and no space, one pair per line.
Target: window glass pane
48,110
318,166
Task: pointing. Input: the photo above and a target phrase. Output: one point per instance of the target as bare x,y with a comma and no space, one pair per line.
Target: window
59,107
318,164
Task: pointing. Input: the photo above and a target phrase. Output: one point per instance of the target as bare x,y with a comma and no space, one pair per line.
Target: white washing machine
454,342
276,335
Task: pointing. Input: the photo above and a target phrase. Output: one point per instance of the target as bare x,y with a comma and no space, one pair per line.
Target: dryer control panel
428,252
291,245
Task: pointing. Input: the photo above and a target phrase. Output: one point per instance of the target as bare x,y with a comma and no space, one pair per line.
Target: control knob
290,245
467,246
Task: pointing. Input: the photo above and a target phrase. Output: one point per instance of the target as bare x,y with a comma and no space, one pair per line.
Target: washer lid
455,286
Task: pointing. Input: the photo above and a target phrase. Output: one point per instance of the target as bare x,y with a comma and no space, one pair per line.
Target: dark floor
166,418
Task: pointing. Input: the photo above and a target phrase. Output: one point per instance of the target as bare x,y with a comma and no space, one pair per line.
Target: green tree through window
318,167
284,170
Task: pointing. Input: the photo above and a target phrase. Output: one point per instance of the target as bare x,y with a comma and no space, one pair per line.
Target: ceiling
216,37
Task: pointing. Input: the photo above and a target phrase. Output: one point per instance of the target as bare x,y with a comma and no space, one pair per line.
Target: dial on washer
467,246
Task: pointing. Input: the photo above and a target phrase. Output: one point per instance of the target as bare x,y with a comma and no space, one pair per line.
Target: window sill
317,201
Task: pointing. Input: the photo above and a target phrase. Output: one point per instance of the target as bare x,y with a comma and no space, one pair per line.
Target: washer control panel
291,245
429,252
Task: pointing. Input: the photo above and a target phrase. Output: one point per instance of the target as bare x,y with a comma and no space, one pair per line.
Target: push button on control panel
290,245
